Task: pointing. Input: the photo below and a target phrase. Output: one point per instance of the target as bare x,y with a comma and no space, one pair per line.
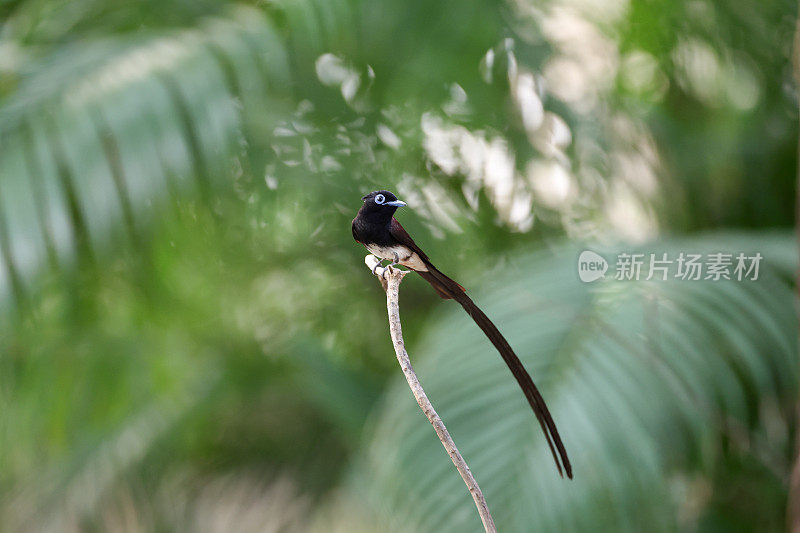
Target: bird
376,228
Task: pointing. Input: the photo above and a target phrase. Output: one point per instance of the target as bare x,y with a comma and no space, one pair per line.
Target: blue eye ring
379,199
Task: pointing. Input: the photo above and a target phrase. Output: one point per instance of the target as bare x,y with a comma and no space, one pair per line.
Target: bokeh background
189,339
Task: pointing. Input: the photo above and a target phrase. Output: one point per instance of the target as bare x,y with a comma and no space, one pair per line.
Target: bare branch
390,279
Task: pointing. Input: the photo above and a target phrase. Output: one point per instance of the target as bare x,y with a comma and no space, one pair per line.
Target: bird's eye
379,199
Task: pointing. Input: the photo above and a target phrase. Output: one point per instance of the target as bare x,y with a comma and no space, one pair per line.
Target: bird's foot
377,265
390,265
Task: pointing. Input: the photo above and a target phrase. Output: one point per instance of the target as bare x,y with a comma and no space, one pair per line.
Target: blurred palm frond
100,134
652,386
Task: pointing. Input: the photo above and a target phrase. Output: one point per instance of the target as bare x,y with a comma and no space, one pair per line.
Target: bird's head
382,202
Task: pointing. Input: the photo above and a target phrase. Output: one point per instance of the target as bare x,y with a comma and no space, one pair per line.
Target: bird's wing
441,283
401,236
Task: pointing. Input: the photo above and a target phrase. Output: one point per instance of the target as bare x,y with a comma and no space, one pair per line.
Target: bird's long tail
449,289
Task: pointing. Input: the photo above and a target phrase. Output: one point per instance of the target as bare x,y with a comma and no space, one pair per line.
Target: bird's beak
397,203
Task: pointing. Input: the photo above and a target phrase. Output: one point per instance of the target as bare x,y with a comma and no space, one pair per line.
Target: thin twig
390,279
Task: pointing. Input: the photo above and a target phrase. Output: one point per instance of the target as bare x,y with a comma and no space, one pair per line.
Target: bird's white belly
406,256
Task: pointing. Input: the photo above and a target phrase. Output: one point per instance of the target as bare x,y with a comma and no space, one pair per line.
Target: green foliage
95,145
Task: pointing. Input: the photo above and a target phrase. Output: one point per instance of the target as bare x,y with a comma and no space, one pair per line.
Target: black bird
376,228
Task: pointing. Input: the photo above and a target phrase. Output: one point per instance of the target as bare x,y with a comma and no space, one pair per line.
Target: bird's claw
374,268
390,265
386,268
